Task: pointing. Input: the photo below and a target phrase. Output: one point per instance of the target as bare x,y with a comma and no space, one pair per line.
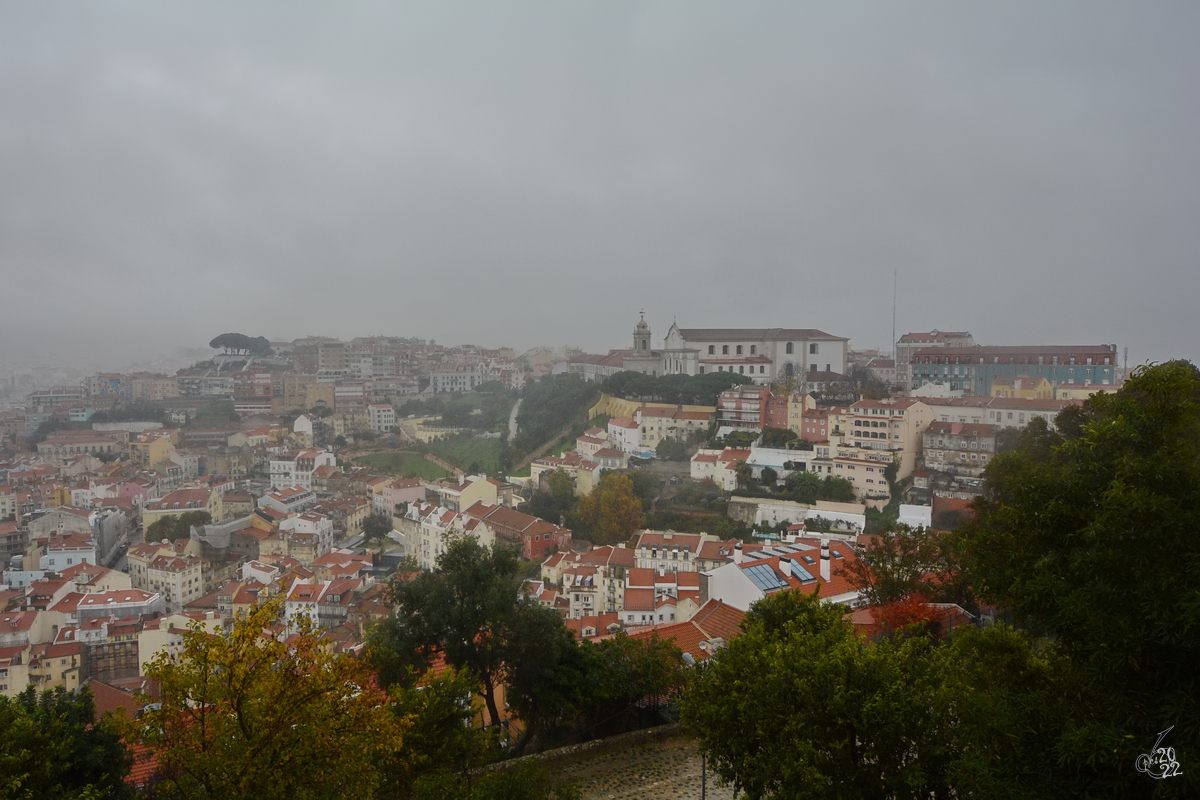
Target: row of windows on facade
940,454
875,435
674,555
962,444
996,360
789,349
966,372
852,467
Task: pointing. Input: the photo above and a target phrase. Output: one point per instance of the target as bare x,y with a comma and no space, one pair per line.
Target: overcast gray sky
528,173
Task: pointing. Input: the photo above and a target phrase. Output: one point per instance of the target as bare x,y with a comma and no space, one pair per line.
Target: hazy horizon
536,174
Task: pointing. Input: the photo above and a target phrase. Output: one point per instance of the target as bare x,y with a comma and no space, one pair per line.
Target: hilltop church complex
764,354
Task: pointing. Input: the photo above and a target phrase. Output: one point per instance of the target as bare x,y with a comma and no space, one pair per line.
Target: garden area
405,465
469,454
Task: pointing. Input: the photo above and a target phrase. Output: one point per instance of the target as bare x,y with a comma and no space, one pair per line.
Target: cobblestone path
669,769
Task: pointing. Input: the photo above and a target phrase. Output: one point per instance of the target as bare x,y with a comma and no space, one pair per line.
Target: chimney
825,571
785,566
737,553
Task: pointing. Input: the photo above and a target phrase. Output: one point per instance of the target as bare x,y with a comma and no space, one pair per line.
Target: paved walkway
668,769
512,420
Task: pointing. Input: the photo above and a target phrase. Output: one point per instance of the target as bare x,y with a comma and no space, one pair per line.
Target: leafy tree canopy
252,712
808,487
798,706
178,527
669,449
466,609
442,741
900,562
241,344
611,512
701,390
376,528
557,501
1091,538
778,437
550,405
51,747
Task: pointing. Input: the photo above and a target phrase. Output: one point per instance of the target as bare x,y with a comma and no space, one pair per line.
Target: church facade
764,354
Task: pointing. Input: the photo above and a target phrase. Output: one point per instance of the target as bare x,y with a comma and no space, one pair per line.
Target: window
753,349
789,349
742,370
739,349
762,370
812,349
712,349
724,349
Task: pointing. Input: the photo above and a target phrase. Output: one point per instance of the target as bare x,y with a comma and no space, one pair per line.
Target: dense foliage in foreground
1088,542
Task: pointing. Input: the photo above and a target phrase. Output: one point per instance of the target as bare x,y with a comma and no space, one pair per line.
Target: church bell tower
641,337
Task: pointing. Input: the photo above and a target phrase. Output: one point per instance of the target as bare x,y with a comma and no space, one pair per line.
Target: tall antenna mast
894,284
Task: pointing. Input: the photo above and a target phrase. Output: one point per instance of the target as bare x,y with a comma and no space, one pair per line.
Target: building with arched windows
766,355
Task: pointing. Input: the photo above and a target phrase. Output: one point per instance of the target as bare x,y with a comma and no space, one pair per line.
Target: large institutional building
764,354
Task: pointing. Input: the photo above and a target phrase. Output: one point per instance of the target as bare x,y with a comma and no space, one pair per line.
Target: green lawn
468,453
407,465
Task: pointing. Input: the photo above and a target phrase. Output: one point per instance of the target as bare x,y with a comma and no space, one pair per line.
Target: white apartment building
297,467
382,418
179,579
427,529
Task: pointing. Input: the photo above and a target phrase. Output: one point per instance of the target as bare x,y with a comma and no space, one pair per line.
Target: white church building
764,354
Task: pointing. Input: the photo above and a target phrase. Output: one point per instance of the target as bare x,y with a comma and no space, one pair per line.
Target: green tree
743,472
1093,542
253,711
376,528
645,486
558,501
808,487
442,737
546,675
1036,437
622,672
768,477
241,344
177,527
611,512
826,717
803,487
671,450
736,439
778,437
51,746
465,609
894,565
689,389
837,490
550,405
800,707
